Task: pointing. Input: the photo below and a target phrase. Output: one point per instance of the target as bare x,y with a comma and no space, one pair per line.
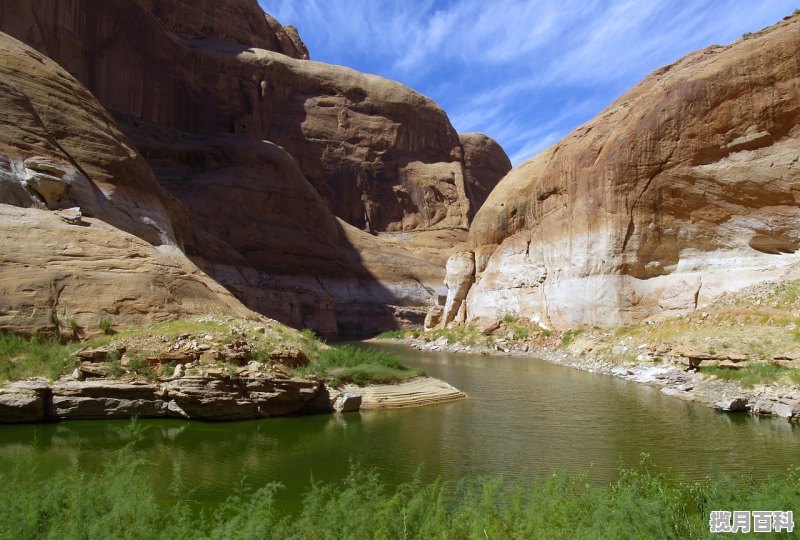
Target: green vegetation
348,364
119,503
105,327
398,334
22,357
466,334
73,327
138,364
756,373
566,338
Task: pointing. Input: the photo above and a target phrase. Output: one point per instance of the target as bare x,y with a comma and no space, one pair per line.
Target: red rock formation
383,156
685,187
122,261
198,87
485,164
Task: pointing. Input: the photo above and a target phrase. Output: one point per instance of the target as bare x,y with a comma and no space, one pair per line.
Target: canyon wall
685,187
265,167
121,259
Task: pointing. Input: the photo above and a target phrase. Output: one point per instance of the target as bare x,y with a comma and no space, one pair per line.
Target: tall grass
22,357
361,366
756,373
119,503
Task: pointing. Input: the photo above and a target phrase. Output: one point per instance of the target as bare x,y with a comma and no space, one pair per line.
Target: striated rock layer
199,88
111,250
685,187
381,155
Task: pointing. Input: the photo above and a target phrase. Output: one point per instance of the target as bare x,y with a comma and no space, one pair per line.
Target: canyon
684,188
215,167
255,178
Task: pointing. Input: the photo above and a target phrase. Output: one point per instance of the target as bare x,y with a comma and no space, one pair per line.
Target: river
524,418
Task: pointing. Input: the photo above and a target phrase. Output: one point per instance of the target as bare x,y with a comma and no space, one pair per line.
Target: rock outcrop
216,398
200,93
685,187
485,164
382,156
51,272
111,249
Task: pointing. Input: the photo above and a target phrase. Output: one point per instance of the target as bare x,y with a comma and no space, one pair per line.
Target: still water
523,419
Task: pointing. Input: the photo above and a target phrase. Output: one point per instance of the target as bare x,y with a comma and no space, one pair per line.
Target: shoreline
212,399
673,377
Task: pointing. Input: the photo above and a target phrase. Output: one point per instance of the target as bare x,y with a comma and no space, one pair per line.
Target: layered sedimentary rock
88,233
52,272
485,163
382,156
685,187
198,87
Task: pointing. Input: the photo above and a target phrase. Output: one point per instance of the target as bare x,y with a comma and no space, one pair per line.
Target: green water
524,418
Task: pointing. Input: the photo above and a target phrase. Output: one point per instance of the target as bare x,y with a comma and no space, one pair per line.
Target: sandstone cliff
685,187
199,88
381,155
60,149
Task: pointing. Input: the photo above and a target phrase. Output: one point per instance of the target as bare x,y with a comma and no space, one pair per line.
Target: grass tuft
22,357
356,365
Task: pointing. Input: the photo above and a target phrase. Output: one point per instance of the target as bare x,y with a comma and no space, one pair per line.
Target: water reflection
524,418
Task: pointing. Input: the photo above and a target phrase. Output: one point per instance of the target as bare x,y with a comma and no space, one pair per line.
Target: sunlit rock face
274,165
88,233
382,156
685,187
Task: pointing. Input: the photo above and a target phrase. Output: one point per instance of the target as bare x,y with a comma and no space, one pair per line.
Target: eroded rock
460,276
662,202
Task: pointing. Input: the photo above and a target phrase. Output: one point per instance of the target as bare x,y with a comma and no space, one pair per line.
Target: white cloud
515,69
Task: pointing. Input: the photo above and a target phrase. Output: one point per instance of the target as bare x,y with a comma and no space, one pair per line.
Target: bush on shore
119,503
361,366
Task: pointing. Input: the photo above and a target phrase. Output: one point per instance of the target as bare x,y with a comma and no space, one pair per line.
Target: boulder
433,319
735,404
46,177
347,402
487,326
291,357
73,215
24,401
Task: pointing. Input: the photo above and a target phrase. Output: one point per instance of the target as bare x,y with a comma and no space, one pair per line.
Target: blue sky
523,72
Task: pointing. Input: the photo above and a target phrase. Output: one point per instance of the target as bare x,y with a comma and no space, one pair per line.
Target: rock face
200,93
485,163
51,271
685,187
382,156
460,275
111,249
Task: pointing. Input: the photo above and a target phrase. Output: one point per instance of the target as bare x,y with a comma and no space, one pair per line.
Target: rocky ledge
212,398
677,377
417,391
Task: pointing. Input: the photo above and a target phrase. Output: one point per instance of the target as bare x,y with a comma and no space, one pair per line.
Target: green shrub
22,357
392,334
73,326
755,373
361,366
119,502
105,327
